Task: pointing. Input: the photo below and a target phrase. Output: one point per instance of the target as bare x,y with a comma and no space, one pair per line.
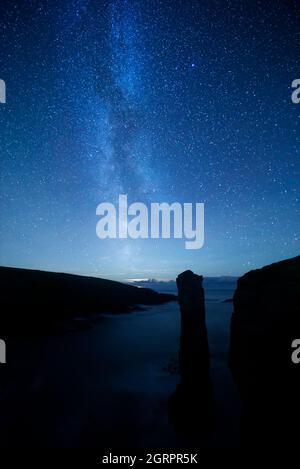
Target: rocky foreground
33,300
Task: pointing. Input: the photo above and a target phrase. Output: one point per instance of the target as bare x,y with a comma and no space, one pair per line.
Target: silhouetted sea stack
265,321
191,406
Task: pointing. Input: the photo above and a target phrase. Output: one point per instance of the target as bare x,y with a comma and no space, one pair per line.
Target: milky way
165,101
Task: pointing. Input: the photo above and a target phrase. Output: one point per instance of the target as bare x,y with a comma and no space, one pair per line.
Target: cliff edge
265,321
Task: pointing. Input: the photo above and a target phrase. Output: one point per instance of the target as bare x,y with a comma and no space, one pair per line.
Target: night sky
165,101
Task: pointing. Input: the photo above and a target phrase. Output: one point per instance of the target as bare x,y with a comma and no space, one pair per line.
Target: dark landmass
265,321
34,300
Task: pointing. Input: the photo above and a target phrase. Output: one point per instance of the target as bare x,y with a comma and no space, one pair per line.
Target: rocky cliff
265,321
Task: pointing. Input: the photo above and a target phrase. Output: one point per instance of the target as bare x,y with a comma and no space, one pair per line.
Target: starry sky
182,100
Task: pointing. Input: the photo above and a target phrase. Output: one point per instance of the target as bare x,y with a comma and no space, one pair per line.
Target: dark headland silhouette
265,321
33,300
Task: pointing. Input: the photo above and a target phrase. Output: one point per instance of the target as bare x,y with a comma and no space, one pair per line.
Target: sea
107,385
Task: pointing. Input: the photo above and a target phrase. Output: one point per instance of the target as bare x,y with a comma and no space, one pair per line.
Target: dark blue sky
165,101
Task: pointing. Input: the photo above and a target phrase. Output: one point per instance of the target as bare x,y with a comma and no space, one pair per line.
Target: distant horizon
138,279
